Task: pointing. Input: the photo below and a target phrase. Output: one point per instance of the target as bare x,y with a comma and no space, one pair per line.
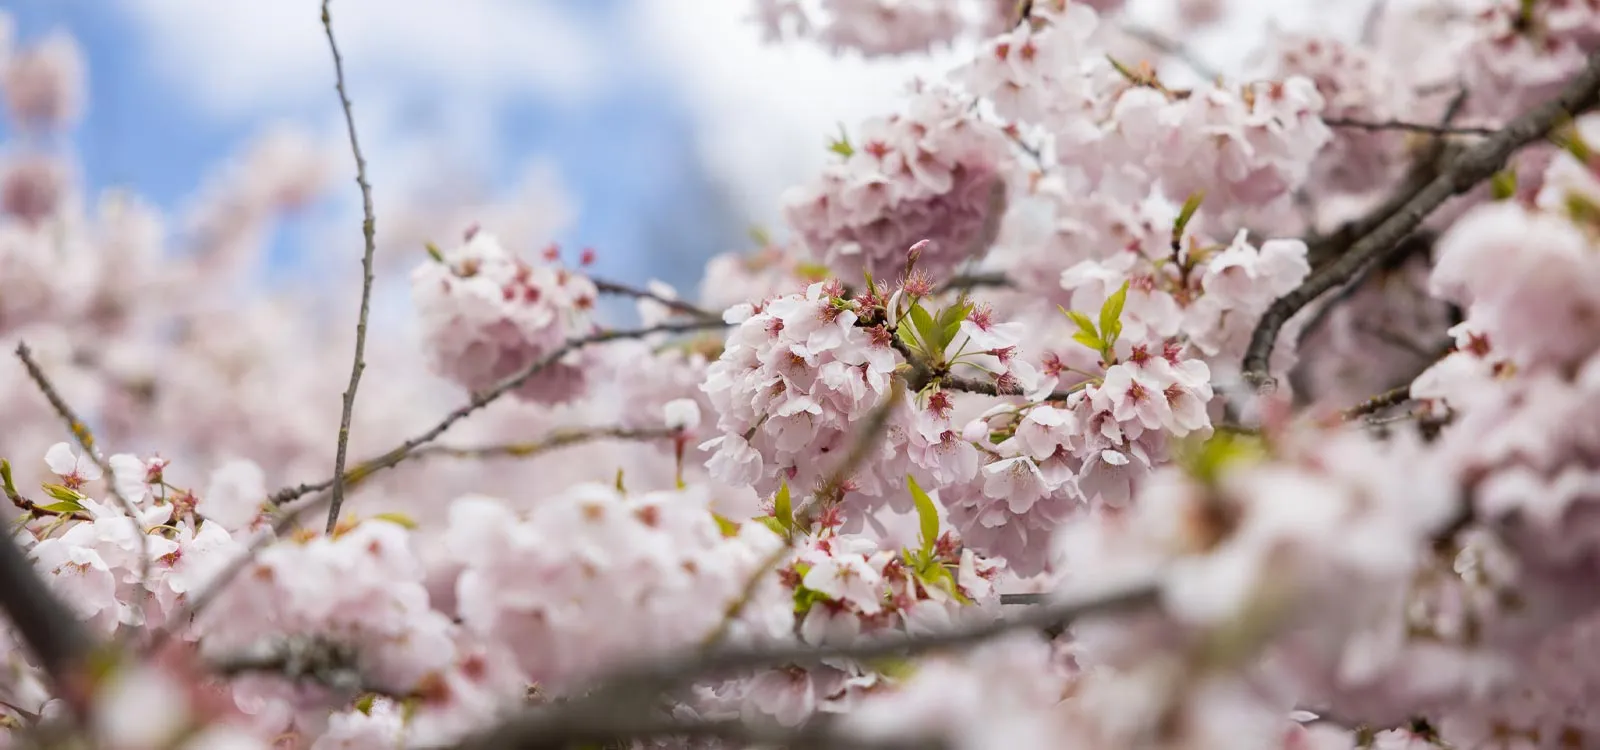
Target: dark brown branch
48,628
588,724
399,453
1415,127
1322,249
607,707
369,234
1391,397
1463,172
80,431
676,305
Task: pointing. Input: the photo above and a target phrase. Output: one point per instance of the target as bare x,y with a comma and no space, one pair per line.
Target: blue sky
623,147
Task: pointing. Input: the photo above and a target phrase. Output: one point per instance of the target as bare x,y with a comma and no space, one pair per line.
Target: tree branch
588,724
369,234
559,438
48,628
607,708
1161,43
677,305
399,453
80,431
1465,171
1415,127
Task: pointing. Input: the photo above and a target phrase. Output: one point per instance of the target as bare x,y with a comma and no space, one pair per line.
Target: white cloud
764,112
240,59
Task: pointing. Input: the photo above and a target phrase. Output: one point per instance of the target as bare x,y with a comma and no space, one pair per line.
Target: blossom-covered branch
1464,172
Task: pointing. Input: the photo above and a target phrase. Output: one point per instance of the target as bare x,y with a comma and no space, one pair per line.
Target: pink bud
976,431
472,231
916,251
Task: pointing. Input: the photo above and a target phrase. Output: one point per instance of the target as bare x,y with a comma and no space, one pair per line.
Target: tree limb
1463,172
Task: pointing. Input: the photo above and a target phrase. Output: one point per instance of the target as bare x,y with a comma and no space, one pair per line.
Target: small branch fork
403,451
1462,173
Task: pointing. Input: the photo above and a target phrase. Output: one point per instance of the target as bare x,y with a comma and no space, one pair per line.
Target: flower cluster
586,566
934,173
488,315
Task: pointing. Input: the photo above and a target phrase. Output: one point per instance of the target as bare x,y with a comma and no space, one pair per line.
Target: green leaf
812,271
65,506
1503,184
5,476
1111,316
620,487
759,235
774,524
364,703
1189,207
1089,340
1209,459
930,332
927,516
950,320
1085,325
782,506
904,333
399,519
1583,210
841,145
433,252
893,667
940,576
62,493
725,524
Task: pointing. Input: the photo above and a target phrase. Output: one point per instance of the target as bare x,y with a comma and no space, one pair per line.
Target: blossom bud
976,431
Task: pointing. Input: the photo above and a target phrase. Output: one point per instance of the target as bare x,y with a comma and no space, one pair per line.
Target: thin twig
1161,43
1464,172
678,305
976,279
399,453
80,431
369,234
1415,127
559,438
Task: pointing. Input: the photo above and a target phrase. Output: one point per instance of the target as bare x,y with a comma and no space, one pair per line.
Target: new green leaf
927,515
1111,316
783,507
